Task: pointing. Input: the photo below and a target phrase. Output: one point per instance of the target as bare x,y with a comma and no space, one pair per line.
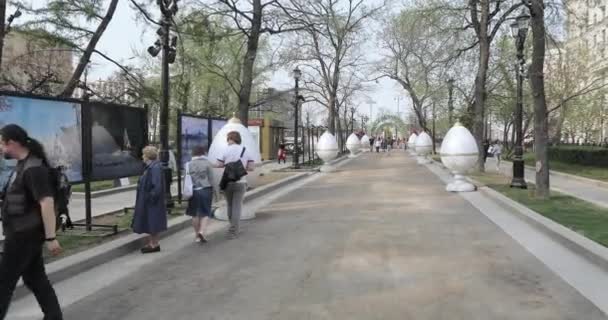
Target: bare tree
328,46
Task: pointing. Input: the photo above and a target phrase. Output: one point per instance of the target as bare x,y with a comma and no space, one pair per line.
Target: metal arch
388,120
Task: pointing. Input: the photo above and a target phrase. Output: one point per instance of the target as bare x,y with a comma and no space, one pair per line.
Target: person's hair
150,152
13,132
199,151
234,136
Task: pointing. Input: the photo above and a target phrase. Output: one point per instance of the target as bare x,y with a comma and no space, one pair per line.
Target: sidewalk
586,191
118,201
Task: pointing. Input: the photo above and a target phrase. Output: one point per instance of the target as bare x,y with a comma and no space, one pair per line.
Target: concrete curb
590,250
102,193
67,267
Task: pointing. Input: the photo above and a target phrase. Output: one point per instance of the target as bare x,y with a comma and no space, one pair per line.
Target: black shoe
145,250
202,238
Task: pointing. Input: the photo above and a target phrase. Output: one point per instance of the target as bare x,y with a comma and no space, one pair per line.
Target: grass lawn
575,169
100,185
583,217
77,240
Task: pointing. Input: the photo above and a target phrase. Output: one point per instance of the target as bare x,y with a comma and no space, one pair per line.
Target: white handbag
188,188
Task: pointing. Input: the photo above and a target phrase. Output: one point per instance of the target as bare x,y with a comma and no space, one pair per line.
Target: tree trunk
2,29
480,96
86,56
541,132
253,41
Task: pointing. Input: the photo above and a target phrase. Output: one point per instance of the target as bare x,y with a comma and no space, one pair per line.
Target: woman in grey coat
199,205
150,216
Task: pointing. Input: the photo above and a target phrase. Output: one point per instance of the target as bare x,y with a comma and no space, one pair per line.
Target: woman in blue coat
150,215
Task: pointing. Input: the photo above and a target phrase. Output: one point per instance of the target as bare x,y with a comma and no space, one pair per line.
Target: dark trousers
23,258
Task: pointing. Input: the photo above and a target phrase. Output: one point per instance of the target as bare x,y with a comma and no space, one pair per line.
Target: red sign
255,122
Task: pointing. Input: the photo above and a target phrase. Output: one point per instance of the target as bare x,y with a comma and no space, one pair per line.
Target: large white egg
353,143
459,150
327,148
424,144
219,145
365,143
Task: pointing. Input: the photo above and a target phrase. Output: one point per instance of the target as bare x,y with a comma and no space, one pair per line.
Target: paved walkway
379,239
577,188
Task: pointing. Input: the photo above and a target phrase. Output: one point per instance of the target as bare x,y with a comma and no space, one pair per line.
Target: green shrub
597,157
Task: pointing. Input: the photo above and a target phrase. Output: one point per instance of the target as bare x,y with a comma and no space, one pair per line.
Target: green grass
74,241
578,215
100,185
574,169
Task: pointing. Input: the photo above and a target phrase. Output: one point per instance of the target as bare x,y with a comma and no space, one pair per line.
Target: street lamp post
7,27
451,101
167,45
297,74
519,31
352,119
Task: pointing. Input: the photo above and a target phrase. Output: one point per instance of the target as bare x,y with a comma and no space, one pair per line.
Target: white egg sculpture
424,146
365,143
353,144
411,144
216,151
459,154
327,150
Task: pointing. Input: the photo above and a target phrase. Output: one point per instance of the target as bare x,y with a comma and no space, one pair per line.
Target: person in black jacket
29,221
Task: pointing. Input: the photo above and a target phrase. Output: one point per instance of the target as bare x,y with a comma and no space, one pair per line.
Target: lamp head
154,50
297,73
17,14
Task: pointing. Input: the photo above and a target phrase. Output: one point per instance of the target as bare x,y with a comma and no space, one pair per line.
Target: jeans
235,193
23,258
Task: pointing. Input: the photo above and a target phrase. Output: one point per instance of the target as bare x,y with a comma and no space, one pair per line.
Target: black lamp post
7,27
297,74
519,30
167,45
352,119
450,82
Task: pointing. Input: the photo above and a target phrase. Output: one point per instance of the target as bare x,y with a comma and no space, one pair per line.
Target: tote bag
188,189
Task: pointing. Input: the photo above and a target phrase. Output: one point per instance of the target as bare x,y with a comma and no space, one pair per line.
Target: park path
584,190
379,239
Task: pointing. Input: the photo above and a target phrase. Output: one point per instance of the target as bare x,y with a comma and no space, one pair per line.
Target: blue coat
150,206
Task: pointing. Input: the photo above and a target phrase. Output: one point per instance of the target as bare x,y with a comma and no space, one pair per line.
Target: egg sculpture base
327,168
422,160
460,184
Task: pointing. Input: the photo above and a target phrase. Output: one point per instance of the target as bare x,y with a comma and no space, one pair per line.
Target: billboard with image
118,135
57,125
216,126
194,132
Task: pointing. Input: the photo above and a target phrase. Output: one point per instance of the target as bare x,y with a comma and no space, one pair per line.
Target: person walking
486,150
371,144
28,221
235,191
150,216
199,205
497,151
378,144
282,154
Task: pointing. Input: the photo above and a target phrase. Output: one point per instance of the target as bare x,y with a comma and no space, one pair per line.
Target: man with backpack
29,220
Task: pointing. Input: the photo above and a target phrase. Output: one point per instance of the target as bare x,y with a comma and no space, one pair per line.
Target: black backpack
233,172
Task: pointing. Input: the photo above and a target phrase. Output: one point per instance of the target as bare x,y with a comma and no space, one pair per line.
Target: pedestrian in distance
199,205
63,195
150,216
282,154
234,191
29,220
486,150
497,151
378,144
371,144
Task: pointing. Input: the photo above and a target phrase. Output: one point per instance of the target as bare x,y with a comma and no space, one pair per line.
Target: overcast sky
125,36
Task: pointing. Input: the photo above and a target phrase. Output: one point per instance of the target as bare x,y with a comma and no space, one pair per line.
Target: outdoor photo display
118,137
55,124
194,132
216,126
